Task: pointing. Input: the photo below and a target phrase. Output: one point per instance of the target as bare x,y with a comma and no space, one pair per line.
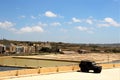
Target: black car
86,65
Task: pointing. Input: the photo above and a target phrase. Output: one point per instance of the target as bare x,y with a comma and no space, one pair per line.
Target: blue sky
72,21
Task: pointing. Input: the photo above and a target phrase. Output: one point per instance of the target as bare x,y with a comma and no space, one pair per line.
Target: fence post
113,65
39,70
57,69
73,67
16,73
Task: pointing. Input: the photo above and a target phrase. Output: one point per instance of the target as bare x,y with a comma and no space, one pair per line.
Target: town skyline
73,21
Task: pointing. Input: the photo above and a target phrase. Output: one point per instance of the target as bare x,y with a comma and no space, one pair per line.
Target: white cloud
33,17
76,20
42,24
68,23
55,24
50,14
85,29
108,22
82,28
13,30
89,21
22,16
112,22
30,29
63,30
6,25
103,25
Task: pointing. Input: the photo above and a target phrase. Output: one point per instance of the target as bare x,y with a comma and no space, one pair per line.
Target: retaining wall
106,66
48,70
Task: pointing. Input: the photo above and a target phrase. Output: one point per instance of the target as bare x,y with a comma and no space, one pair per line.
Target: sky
70,21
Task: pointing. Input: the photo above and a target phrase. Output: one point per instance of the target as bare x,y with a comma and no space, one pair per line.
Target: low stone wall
26,71
48,70
117,65
106,66
44,70
8,73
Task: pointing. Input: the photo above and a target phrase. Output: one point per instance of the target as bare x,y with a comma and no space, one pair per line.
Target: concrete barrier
48,70
65,68
8,73
117,65
76,67
27,71
104,66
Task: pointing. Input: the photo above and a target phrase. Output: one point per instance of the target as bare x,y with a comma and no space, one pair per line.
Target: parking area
106,74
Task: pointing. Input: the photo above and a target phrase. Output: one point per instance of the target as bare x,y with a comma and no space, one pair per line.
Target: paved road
106,74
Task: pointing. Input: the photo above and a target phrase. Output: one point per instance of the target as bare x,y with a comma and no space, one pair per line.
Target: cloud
42,24
12,29
89,21
22,16
29,29
76,20
108,22
112,22
103,25
50,14
83,21
63,30
55,24
85,29
82,28
33,17
6,25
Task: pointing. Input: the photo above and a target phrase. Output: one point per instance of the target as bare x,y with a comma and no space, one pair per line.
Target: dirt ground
98,57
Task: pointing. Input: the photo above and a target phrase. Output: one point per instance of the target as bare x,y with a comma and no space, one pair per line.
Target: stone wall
48,70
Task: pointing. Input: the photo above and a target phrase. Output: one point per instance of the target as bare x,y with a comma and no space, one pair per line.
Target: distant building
10,48
2,49
46,44
19,49
82,51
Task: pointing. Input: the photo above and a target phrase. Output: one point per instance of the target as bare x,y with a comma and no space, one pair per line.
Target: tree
45,49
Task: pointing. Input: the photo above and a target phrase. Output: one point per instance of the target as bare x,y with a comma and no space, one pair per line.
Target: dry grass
98,57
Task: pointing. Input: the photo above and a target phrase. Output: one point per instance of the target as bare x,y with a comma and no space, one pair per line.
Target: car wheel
97,70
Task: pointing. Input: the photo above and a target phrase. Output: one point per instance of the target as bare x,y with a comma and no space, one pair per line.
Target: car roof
87,61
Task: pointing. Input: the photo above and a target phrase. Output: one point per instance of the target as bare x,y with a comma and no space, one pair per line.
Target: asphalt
106,74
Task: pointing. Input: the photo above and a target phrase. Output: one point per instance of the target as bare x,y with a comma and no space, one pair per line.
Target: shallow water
7,68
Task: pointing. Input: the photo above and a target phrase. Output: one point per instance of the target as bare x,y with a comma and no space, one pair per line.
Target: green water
32,62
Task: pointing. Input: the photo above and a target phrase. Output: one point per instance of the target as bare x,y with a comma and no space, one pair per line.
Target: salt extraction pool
8,68
10,61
